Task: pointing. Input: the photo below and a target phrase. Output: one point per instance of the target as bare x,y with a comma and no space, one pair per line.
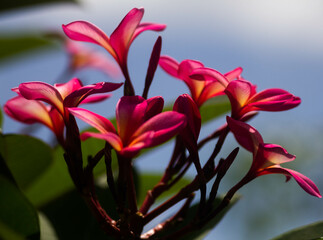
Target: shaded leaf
11,46
8,234
18,4
72,219
313,231
17,215
26,157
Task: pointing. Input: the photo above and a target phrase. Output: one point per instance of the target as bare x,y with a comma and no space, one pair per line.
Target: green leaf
313,231
200,233
71,218
146,181
56,180
17,4
17,215
26,157
214,108
16,45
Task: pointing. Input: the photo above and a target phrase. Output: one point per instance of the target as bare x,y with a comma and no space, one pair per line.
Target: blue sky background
278,43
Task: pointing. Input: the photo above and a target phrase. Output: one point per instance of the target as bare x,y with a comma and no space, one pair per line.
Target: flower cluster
141,123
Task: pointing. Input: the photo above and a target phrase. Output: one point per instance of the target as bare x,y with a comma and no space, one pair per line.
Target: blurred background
278,43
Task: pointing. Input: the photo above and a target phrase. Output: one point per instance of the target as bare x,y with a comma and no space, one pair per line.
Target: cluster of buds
141,123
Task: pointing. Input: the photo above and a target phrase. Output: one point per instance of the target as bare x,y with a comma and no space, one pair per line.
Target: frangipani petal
148,26
76,97
304,182
170,65
95,99
130,114
246,135
154,106
143,141
164,125
271,154
121,38
112,138
28,111
210,74
234,74
239,92
102,124
210,90
66,88
42,91
88,32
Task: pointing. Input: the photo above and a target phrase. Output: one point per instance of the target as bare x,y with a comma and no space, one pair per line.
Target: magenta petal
95,99
164,125
271,154
170,65
234,74
143,141
88,32
76,97
42,91
130,114
204,73
186,67
95,120
112,138
121,38
304,182
154,106
66,88
28,111
247,136
148,26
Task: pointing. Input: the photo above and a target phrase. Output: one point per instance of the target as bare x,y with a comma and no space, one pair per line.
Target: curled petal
87,32
154,106
66,88
148,26
130,114
234,74
304,182
170,65
42,91
204,73
164,125
95,120
28,111
76,97
112,138
271,154
246,135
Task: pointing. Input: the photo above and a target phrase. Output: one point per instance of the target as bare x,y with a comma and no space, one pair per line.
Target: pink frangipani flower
201,89
245,100
140,124
120,40
28,106
82,57
267,157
